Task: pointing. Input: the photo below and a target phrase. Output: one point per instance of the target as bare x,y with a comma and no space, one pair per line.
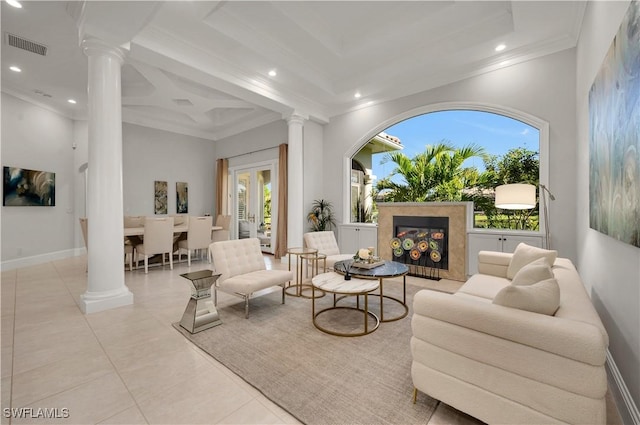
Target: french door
255,203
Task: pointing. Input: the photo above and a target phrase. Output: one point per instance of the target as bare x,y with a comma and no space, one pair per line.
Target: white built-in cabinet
352,237
502,242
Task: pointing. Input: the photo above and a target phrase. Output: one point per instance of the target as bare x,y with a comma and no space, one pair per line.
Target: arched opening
464,152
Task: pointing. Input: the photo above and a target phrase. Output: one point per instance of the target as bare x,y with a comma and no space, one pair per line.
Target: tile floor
122,366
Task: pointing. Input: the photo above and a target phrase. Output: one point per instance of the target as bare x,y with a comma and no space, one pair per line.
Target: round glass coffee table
334,283
389,269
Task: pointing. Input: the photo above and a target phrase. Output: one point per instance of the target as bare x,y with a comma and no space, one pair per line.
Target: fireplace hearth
422,243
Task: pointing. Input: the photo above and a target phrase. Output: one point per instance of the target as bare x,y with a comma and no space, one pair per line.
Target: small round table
335,284
314,260
387,270
299,252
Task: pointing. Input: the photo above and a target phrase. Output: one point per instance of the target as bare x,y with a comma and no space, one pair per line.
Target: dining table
181,228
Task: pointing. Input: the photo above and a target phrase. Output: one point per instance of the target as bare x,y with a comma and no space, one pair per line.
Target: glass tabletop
388,269
301,251
202,274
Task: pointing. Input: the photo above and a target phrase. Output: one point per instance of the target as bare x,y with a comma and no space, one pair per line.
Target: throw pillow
525,254
533,272
542,297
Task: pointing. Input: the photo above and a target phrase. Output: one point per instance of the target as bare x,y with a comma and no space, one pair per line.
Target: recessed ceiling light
14,3
357,95
500,47
72,101
273,73
15,69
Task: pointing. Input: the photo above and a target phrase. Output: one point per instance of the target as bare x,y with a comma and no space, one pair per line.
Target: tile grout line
115,369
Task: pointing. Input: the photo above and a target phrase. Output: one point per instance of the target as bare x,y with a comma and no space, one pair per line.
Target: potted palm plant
321,216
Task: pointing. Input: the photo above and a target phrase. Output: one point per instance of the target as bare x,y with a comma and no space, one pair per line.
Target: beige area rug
316,377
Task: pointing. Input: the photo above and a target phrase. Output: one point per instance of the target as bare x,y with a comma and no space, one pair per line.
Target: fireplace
422,243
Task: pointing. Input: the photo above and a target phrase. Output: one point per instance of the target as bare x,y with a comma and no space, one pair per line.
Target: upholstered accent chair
243,270
325,242
198,237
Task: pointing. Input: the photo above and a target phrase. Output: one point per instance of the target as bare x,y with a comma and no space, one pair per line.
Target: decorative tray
363,265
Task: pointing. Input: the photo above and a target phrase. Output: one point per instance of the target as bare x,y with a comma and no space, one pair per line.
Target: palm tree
433,175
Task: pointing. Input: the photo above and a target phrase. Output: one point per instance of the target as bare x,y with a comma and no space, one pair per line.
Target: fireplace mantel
460,216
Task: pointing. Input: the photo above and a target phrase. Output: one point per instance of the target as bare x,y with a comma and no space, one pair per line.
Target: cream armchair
243,270
325,243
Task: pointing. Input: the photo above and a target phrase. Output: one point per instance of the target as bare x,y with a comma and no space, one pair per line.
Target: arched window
449,153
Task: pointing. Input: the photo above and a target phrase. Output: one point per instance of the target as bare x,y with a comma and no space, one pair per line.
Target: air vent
24,44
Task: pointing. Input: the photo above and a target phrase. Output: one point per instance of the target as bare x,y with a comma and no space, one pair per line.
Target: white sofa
509,365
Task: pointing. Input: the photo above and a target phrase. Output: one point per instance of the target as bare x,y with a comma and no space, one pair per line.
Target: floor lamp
544,191
522,196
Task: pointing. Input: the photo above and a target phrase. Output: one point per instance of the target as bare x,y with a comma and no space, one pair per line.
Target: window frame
541,125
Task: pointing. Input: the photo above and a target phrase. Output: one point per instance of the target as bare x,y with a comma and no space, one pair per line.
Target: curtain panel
281,237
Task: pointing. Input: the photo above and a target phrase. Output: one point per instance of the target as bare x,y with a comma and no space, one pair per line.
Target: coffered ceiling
202,67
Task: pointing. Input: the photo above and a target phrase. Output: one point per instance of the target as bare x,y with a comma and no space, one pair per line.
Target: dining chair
158,239
133,221
198,237
223,221
223,234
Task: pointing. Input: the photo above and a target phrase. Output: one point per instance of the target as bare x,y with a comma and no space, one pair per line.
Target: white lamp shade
517,196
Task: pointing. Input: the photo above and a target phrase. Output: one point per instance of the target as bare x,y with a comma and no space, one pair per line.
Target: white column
105,288
295,179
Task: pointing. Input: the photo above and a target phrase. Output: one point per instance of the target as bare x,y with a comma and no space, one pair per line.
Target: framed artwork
160,197
614,136
28,188
182,198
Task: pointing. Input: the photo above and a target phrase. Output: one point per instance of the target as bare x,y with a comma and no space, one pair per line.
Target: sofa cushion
483,286
533,272
525,254
542,297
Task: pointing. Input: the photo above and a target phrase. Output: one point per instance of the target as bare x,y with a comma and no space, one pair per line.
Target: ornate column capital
296,118
92,46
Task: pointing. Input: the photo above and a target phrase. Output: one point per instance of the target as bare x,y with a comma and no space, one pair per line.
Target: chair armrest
568,338
494,263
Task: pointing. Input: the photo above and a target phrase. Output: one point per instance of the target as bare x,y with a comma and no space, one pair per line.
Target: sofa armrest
494,263
568,338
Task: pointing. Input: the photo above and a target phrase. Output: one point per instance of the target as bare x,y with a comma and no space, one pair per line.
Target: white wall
38,139
262,144
609,268
150,155
544,88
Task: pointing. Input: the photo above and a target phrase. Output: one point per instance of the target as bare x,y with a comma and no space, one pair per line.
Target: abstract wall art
182,198
160,197
614,136
26,188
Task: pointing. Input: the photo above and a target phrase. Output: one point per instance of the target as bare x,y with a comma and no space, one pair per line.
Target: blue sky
496,133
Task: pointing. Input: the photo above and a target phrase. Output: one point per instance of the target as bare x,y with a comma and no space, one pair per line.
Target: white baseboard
39,259
626,406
